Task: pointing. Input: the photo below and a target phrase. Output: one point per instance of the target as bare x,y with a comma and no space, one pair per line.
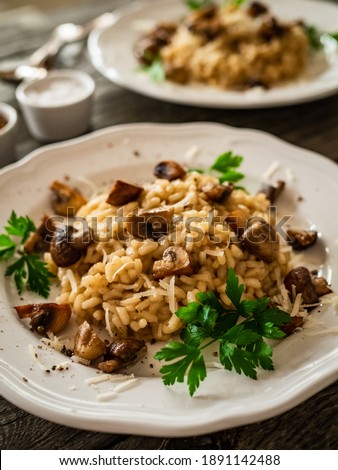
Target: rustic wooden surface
311,425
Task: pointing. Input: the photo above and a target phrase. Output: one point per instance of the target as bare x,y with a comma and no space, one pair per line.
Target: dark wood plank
311,425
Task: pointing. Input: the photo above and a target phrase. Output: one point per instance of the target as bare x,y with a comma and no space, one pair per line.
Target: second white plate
111,52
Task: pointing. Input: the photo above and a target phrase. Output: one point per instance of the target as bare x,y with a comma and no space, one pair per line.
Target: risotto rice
113,283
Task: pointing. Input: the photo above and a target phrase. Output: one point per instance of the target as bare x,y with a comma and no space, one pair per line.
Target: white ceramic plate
304,364
111,52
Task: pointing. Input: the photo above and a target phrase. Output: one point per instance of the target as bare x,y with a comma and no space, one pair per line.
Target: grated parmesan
35,357
271,170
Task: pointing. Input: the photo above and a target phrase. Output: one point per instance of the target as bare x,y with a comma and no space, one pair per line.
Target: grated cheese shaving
121,269
213,365
125,386
171,294
35,357
271,170
106,396
107,321
80,360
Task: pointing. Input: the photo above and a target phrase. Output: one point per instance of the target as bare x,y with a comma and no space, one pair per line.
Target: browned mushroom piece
68,245
256,9
321,285
175,261
169,170
237,221
66,200
299,280
302,239
204,22
122,192
260,239
147,49
295,322
150,223
272,191
122,353
87,344
47,317
41,239
271,28
218,192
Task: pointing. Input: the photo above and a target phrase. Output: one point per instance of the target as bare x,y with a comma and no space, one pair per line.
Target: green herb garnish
155,70
313,36
197,4
28,271
225,168
241,344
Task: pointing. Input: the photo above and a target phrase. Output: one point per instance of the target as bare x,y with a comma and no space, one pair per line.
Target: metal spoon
43,59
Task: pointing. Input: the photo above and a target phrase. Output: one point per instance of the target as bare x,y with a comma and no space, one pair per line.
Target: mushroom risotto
227,46
158,245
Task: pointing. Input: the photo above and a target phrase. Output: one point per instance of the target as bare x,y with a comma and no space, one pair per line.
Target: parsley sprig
28,271
239,332
225,168
316,38
155,70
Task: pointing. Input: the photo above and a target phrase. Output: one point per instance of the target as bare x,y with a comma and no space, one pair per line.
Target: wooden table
311,425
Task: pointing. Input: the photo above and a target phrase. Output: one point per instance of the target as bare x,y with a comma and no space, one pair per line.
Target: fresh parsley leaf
209,298
261,354
20,226
313,36
196,4
225,164
231,176
225,161
333,36
155,71
28,270
241,360
193,335
237,3
19,270
7,247
189,313
191,358
233,289
241,344
38,275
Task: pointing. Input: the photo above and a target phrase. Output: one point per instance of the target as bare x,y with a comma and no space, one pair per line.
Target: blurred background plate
111,52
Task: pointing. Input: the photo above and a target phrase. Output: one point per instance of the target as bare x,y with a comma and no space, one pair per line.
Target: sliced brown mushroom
41,239
260,239
271,28
66,200
147,49
169,170
272,191
296,322
122,192
122,353
87,344
68,245
299,280
256,9
302,239
150,223
47,317
237,221
204,22
175,261
218,192
321,285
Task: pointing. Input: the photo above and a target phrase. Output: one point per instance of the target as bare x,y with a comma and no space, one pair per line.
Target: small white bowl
57,107
7,134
